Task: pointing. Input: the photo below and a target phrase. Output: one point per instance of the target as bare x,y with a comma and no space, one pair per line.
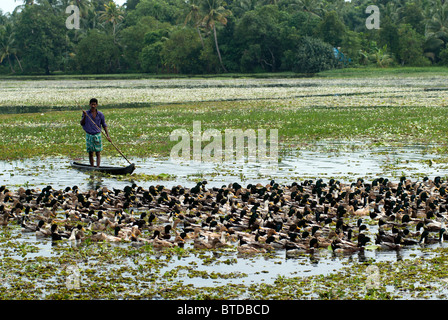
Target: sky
9,5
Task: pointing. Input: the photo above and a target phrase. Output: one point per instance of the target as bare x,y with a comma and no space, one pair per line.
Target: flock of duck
299,218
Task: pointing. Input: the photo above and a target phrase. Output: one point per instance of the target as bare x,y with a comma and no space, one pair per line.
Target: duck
276,243
125,232
383,236
77,233
180,238
41,231
432,225
251,247
340,246
298,249
388,241
4,219
322,242
166,232
263,234
202,243
426,239
248,250
158,243
218,240
102,236
141,222
443,235
137,241
97,225
261,217
28,226
390,246
56,236
365,211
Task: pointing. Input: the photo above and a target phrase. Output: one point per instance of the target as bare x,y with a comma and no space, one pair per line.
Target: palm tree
113,14
84,7
437,23
7,48
242,6
195,15
393,10
268,2
5,52
436,28
337,5
311,6
381,57
215,13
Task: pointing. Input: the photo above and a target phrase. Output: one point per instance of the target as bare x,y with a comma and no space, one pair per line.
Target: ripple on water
325,161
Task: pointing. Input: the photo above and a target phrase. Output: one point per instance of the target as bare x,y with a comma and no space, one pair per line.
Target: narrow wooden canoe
107,169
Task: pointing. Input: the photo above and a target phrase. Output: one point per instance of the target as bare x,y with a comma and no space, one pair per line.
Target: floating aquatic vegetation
375,111
334,92
141,177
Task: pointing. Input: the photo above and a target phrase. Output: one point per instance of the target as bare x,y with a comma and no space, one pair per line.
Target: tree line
217,36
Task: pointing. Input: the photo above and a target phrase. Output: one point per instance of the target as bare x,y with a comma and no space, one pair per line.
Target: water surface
345,161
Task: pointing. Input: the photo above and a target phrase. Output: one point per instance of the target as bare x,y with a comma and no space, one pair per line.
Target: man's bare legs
98,158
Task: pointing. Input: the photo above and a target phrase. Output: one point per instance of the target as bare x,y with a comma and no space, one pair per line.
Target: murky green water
324,161
345,161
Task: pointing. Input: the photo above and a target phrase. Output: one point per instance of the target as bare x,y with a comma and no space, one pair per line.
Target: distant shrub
97,53
313,55
443,56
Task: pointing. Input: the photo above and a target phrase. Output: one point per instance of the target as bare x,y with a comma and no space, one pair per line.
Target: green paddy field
141,113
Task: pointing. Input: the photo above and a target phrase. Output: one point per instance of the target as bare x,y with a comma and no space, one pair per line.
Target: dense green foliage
313,56
216,36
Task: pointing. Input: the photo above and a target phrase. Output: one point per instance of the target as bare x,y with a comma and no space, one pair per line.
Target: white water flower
295,92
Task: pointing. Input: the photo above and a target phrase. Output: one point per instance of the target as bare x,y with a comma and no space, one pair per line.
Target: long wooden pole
102,131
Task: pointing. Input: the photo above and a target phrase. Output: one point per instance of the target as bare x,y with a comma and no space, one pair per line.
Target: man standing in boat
92,121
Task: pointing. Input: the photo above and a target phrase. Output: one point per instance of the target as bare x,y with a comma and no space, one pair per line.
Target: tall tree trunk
10,64
20,65
217,49
47,66
113,31
273,60
200,36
